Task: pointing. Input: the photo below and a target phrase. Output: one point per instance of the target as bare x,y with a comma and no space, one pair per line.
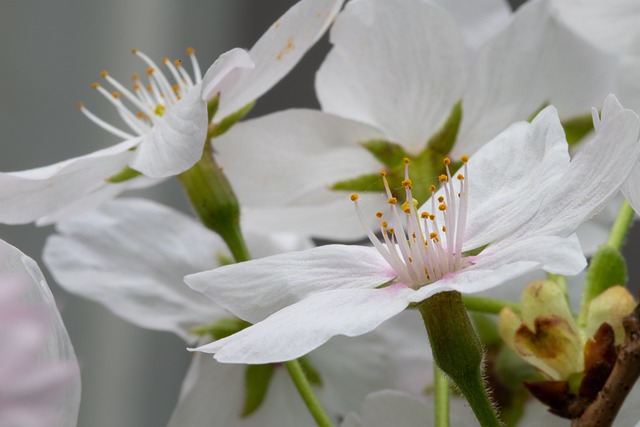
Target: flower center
423,248
146,104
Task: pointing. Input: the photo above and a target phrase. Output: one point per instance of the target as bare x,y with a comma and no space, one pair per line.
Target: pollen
433,235
446,161
442,207
104,74
79,105
150,71
134,51
95,85
135,77
383,172
379,214
165,60
384,224
116,95
443,178
190,51
464,159
432,188
392,231
354,197
444,228
407,183
441,199
432,217
424,215
177,63
392,201
407,160
460,177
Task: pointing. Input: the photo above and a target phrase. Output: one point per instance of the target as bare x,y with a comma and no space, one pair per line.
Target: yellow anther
140,115
413,235
175,88
392,231
116,95
406,160
136,87
165,60
464,159
392,201
442,207
424,215
150,71
432,188
432,217
379,214
383,172
443,178
160,110
190,51
149,88
135,77
433,235
407,183
177,63
410,259
447,161
406,210
441,199
444,228
95,85
79,105
354,197
104,74
134,51
384,224
460,177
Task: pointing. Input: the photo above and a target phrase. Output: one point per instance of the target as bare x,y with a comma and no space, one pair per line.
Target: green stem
621,226
457,351
306,392
488,305
441,394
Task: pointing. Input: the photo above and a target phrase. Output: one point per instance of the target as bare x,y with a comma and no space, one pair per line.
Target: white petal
509,259
398,65
255,289
56,351
29,195
229,62
595,175
131,255
175,143
277,52
536,60
631,188
478,20
300,328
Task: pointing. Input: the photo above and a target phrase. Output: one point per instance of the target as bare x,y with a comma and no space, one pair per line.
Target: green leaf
577,128
226,123
363,183
221,328
124,175
443,140
607,268
256,384
388,153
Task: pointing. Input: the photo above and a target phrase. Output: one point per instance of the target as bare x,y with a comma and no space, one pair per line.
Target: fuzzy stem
306,392
457,351
441,395
621,226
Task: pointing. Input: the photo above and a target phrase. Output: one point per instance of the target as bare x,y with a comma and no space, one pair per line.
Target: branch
626,371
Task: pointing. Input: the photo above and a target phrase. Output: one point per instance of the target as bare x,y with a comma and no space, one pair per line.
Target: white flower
402,92
131,255
39,373
167,124
523,199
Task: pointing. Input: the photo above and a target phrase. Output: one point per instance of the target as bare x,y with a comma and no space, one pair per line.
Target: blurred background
51,53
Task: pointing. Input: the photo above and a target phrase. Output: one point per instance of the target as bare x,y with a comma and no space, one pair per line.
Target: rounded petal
48,382
277,52
32,194
534,61
131,255
302,327
255,289
229,62
395,64
175,143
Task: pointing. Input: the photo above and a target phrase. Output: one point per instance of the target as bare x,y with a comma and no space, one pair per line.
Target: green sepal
212,106
577,128
225,124
474,252
313,376
124,175
607,268
443,140
363,183
224,259
540,108
256,384
388,153
221,328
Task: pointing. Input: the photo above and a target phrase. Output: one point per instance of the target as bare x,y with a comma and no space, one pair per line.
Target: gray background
51,52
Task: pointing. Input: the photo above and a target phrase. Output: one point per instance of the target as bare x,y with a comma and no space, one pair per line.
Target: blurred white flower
39,374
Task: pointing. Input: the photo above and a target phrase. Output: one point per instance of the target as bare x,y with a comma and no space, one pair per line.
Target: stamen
194,63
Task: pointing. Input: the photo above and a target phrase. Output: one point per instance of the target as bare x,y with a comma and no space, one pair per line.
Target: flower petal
392,61
31,194
175,143
228,63
277,52
289,278
540,61
300,328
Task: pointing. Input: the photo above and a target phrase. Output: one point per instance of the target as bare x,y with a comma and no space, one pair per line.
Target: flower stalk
621,226
306,392
457,351
441,395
